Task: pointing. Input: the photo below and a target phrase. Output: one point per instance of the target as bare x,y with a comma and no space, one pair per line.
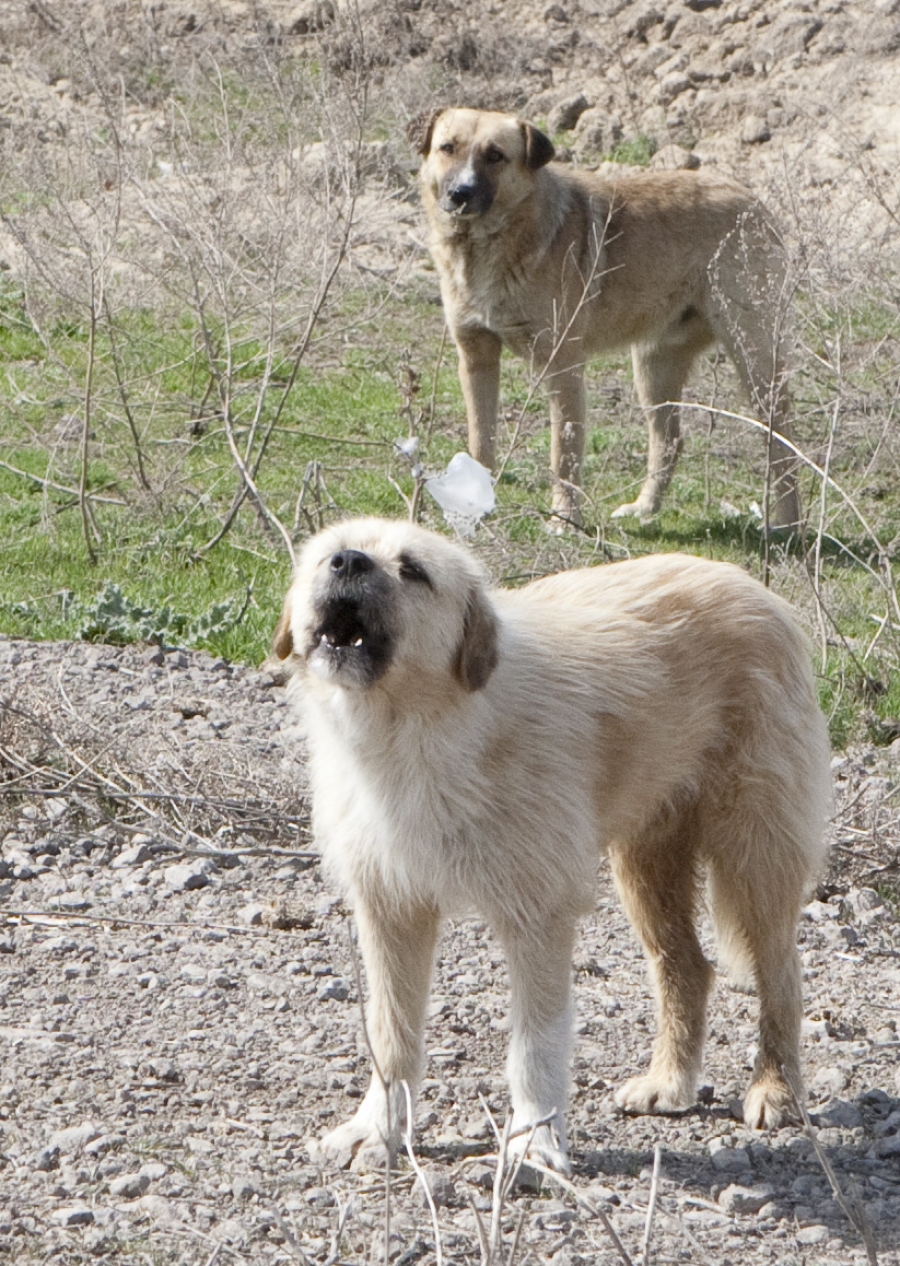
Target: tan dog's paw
651,1093
769,1104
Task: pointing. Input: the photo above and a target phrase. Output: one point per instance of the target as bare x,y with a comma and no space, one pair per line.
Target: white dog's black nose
348,563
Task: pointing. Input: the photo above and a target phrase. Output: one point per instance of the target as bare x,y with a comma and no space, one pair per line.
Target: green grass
345,417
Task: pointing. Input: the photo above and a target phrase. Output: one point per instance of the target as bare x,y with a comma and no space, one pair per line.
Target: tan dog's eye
494,155
447,147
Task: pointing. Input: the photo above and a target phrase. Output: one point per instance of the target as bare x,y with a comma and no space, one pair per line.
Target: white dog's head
378,601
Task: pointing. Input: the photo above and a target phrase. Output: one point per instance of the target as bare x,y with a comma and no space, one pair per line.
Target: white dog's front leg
398,950
540,1049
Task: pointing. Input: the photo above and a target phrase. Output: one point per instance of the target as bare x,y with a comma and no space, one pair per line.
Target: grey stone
73,1138
188,876
73,1216
564,116
812,1235
136,855
336,989
731,1160
129,1186
243,1187
741,1200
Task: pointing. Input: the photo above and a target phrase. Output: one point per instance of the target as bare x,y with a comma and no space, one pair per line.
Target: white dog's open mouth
345,644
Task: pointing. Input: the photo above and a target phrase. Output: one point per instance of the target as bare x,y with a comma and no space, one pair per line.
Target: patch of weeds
113,617
636,151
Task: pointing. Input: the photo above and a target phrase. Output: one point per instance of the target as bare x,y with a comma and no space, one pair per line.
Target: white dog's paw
356,1144
546,1146
651,1093
642,510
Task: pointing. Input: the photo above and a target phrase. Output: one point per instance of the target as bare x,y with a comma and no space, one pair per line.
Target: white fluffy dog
474,748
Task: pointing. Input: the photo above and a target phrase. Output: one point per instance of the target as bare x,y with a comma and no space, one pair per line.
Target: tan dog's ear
283,638
478,650
538,147
419,129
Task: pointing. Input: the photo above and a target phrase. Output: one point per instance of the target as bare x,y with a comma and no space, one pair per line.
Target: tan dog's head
374,600
473,160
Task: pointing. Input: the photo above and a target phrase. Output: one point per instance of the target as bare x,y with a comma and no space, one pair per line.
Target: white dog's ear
283,638
478,649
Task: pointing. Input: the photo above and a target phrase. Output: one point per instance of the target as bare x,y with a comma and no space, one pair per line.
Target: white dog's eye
412,570
447,147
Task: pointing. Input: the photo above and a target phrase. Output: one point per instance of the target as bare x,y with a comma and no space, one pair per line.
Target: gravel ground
179,1014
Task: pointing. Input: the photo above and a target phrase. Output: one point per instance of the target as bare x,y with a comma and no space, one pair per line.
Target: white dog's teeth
358,642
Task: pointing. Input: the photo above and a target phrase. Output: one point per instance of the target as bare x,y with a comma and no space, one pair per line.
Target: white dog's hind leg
398,950
540,970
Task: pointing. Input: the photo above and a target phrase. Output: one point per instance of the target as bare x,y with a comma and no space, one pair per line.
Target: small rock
47,1159
862,906
129,1186
252,915
105,1143
187,876
441,1186
76,1215
842,1113
337,990
598,132
563,117
830,1081
674,158
73,1138
134,856
738,1199
243,1187
731,1160
755,130
812,1235
194,973
672,86
163,1069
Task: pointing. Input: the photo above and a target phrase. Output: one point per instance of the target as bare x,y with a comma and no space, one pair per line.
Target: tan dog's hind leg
567,417
660,372
766,385
750,297
540,970
479,377
657,882
398,951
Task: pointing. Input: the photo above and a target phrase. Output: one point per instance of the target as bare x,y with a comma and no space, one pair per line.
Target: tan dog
559,264
476,749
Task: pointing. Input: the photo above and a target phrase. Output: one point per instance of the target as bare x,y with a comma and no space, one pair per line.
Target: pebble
129,1186
187,876
76,1215
743,1200
73,1138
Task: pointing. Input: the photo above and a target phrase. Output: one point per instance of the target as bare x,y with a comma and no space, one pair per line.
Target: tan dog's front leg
567,415
479,376
398,951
